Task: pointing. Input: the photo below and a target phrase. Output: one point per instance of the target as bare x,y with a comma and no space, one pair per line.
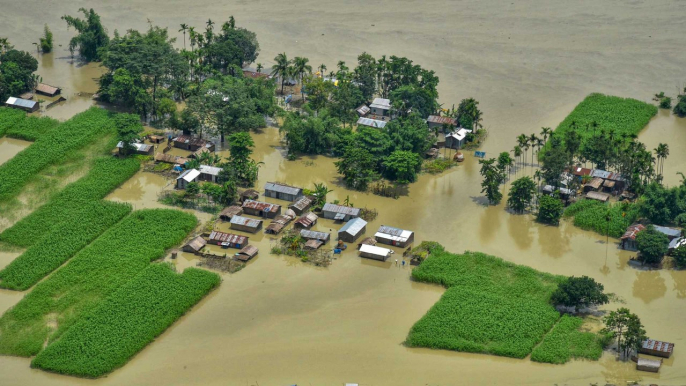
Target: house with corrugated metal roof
22,104
381,108
247,253
48,90
195,245
369,122
456,139
245,224
656,348
227,240
186,178
193,144
374,252
301,205
441,122
628,239
279,223
394,236
306,221
209,173
352,230
228,212
314,235
138,148
339,212
261,209
282,191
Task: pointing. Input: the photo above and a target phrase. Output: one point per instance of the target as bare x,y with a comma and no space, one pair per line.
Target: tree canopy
16,73
579,292
92,38
652,245
521,194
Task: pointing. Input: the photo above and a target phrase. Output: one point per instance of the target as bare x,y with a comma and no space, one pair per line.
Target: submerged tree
521,194
652,245
92,37
579,292
493,177
16,73
550,210
46,40
627,329
402,166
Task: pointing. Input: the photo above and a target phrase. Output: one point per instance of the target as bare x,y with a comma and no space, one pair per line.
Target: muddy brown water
280,321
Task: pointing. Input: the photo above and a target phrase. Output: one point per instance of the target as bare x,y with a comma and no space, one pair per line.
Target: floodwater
280,321
9,147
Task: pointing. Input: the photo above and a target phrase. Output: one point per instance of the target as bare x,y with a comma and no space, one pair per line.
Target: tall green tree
281,68
579,292
301,67
358,167
92,37
365,74
402,166
128,128
652,245
468,114
46,40
627,329
16,73
493,177
521,194
549,210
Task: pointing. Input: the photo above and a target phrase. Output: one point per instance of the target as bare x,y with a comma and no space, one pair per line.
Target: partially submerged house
598,196
564,192
138,148
374,252
313,244
306,221
301,205
314,235
441,122
261,209
46,89
671,233
193,144
628,239
227,240
186,178
593,185
456,139
369,122
279,223
209,173
247,253
366,241
22,104
249,194
676,243
381,108
170,159
245,224
227,213
198,153
649,365
656,348
394,236
195,245
339,212
352,230
282,191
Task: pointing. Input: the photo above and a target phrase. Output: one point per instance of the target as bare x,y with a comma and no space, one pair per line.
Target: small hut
186,142
593,185
363,110
279,223
656,348
369,122
366,241
313,235
22,104
48,90
195,245
261,209
598,196
381,108
437,121
157,139
301,205
170,159
312,245
249,194
339,212
374,252
209,173
282,191
628,239
394,236
245,224
306,221
650,365
247,253
138,148
352,230
186,178
228,212
227,240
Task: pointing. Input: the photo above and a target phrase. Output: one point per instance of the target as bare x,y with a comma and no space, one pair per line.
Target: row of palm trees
297,68
533,142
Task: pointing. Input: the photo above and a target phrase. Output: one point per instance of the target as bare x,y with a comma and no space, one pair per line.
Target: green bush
91,276
32,128
9,117
565,342
128,320
52,147
591,215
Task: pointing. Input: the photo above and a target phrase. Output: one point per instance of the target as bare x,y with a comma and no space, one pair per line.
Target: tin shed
352,230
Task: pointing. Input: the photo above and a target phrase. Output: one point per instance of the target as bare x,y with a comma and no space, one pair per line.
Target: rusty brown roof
47,89
227,238
259,205
442,120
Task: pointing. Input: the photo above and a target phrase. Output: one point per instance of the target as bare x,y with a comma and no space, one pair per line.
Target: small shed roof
353,227
200,151
328,207
595,183
47,89
227,237
189,175
137,146
632,231
313,244
600,196
263,206
249,222
670,232
250,193
392,233
197,243
282,188
363,110
171,159
367,241
231,211
579,171
381,103
442,120
644,363
459,134
247,253
551,189
308,234
677,243
18,102
657,345
379,251
302,203
211,170
600,173
307,220
371,122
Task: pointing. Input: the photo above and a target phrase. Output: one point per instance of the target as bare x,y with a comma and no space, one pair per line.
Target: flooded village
323,283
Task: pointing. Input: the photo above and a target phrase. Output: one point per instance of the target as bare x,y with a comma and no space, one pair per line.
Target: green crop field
591,215
490,306
51,148
91,276
565,342
132,317
32,128
8,118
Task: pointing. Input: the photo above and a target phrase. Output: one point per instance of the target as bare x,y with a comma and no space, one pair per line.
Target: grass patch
200,202
90,277
132,317
438,165
591,215
8,118
32,128
566,341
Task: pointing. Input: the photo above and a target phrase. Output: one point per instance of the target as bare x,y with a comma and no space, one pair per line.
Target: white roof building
371,122
381,103
211,170
189,175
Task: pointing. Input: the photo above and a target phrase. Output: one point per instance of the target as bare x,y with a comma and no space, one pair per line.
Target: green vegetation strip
121,253
52,147
32,128
565,342
592,215
9,117
73,204
610,113
132,317
491,306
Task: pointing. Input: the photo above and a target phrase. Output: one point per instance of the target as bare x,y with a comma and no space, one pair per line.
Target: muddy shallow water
280,321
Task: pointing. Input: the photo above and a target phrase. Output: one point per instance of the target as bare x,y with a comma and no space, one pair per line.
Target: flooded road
280,321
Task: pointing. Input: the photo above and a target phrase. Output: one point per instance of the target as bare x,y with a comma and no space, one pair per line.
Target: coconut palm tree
300,68
523,142
517,151
661,151
259,67
322,68
533,140
281,68
184,28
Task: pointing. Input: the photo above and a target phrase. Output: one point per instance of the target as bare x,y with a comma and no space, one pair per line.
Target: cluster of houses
674,235
450,135
654,348
600,184
25,101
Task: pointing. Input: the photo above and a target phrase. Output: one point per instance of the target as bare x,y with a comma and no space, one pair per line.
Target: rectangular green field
8,118
565,342
32,128
131,318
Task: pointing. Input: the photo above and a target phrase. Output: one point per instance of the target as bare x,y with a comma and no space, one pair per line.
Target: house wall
348,238
281,196
183,184
330,215
386,241
245,228
373,256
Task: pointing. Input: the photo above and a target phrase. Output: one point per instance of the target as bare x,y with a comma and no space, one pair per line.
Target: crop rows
8,118
592,215
51,148
32,128
565,342
73,203
132,317
491,306
91,276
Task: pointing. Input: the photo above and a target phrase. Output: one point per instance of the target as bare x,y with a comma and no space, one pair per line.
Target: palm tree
259,67
281,68
184,28
322,68
533,140
4,45
518,155
300,67
320,192
210,24
661,151
539,144
523,142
